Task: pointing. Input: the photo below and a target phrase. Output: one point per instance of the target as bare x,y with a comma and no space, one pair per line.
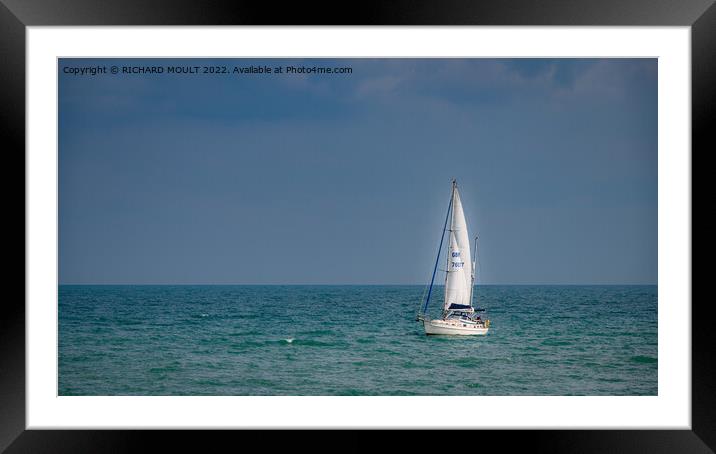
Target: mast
437,259
474,261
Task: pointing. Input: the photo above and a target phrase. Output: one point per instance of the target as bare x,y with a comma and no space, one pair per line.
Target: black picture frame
16,15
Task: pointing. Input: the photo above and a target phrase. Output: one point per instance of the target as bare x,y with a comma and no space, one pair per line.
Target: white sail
459,228
455,290
459,277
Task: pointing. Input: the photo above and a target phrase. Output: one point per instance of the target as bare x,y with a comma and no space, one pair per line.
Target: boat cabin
462,312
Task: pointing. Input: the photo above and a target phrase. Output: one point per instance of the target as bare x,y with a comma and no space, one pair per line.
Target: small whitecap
204,315
289,340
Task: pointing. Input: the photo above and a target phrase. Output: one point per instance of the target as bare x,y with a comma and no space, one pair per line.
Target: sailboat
458,317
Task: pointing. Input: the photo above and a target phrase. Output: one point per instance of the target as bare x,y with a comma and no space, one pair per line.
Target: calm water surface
353,340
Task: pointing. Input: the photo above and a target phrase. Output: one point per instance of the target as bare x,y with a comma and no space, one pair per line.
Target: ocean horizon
336,285
348,339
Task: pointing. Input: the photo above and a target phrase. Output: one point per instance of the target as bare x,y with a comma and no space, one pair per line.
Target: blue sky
345,178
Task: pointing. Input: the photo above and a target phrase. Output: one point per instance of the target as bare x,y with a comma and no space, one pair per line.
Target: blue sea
353,340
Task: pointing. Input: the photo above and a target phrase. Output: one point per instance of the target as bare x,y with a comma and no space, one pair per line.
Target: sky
237,178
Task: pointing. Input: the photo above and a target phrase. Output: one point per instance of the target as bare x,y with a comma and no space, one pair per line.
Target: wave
245,333
171,367
318,332
644,359
366,340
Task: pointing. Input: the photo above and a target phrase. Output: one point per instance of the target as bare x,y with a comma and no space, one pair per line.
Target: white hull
452,327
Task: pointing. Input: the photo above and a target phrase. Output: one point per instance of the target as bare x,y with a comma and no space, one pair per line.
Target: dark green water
353,340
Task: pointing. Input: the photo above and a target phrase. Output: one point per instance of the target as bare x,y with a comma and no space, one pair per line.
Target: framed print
232,222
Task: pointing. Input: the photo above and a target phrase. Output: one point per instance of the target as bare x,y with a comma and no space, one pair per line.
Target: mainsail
458,282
